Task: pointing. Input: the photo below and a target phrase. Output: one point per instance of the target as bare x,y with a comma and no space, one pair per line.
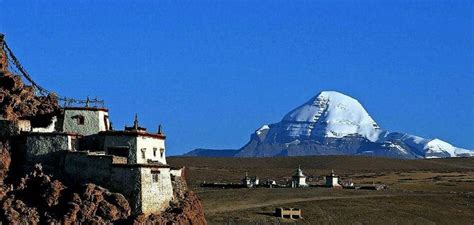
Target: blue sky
214,71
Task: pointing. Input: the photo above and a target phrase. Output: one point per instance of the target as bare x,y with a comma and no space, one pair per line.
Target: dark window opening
143,153
106,122
154,152
118,151
162,151
155,176
79,119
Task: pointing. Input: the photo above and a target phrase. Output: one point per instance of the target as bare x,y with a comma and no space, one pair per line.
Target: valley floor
420,192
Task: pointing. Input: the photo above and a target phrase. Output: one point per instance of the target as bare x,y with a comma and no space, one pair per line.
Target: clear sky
214,71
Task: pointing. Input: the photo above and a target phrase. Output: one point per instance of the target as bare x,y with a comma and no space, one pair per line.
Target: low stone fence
288,213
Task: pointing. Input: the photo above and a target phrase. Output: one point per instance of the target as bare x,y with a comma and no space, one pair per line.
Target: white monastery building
82,144
298,179
332,180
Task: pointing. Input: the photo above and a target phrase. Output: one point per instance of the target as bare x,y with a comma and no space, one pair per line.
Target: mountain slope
332,123
330,114
212,153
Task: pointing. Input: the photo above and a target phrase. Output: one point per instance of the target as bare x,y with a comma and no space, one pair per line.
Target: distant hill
212,153
332,123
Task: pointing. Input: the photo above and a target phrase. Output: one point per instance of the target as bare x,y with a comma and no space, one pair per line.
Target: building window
143,153
79,119
154,151
106,123
155,175
162,152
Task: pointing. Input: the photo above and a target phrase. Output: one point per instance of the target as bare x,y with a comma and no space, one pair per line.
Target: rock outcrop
19,101
40,198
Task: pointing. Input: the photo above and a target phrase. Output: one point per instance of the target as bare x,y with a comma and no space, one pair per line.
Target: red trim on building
27,133
133,134
87,109
142,165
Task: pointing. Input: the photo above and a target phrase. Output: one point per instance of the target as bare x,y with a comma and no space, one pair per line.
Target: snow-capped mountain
332,123
330,114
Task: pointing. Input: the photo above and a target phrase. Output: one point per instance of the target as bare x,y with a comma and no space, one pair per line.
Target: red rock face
38,198
4,160
4,166
19,101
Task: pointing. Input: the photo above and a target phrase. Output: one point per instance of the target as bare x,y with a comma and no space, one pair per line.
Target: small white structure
332,180
246,181
250,181
271,182
347,183
48,129
136,144
177,172
298,179
255,181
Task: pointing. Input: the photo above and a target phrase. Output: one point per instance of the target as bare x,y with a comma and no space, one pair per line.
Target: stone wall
94,121
129,142
82,167
45,148
156,194
135,182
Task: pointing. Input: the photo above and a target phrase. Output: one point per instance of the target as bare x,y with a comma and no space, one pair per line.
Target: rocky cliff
19,101
40,198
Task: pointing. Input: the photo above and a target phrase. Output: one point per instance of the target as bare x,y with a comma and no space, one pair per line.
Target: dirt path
293,200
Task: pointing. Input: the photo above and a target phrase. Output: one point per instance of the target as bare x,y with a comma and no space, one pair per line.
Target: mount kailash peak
332,123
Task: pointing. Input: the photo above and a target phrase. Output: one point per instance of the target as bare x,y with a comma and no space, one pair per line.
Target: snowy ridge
262,129
438,146
332,114
332,123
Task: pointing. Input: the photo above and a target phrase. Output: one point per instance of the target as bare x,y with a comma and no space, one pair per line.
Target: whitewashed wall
155,195
148,144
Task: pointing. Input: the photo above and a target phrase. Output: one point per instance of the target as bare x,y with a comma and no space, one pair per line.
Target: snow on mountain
332,123
438,146
332,114
262,129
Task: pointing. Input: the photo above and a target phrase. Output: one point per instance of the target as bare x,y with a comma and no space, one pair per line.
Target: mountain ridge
332,123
